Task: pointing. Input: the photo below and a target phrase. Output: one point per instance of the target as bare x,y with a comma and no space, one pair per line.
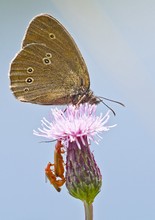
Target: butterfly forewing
46,29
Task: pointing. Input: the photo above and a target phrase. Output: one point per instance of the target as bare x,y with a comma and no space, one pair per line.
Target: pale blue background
117,40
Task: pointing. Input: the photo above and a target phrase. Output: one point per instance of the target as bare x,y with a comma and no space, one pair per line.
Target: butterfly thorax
85,96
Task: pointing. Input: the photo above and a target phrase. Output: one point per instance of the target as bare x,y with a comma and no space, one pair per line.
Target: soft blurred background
117,40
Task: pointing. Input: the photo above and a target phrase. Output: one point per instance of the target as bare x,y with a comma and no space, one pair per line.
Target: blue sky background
117,40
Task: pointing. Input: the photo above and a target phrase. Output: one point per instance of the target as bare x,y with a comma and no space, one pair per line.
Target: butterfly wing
49,69
42,76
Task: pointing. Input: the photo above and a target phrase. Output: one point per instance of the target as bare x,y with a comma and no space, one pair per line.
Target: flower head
74,123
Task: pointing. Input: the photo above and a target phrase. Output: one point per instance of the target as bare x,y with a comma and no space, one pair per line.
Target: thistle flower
74,123
76,128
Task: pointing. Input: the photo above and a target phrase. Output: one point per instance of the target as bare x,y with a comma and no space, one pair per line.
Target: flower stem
88,211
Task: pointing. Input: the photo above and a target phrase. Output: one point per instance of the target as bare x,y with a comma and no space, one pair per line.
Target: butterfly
49,69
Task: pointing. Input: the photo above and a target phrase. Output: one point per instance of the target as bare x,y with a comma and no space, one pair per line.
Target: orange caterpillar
56,176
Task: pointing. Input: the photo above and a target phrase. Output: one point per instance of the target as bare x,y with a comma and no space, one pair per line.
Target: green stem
88,211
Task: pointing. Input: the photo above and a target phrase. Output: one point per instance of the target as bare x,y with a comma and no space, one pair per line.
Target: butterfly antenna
111,100
108,107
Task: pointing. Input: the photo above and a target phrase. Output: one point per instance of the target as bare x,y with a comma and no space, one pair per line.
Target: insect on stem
56,175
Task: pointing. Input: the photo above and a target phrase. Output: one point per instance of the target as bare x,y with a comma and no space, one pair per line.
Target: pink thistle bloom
74,123
76,127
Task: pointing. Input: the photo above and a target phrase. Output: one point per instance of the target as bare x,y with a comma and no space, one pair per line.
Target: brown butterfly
50,69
